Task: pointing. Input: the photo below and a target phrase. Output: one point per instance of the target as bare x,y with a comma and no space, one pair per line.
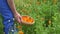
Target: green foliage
43,12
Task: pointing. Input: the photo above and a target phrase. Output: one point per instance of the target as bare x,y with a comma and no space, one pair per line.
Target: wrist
14,12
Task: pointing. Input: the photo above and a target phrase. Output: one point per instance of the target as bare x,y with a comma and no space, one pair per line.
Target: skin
17,16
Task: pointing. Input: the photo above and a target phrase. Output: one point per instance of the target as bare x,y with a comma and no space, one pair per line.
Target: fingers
19,19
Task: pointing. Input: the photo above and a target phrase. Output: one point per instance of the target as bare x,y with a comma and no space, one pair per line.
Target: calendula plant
46,14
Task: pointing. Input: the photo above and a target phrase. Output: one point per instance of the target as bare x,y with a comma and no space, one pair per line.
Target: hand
17,17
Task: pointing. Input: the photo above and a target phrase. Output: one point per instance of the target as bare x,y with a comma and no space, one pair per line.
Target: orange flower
27,19
44,1
42,19
27,5
49,21
38,3
30,2
23,10
21,32
54,1
30,20
19,26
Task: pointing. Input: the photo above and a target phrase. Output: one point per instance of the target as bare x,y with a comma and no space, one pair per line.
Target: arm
14,11
12,6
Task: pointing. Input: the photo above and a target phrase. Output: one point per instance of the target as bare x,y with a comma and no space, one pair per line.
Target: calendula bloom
20,32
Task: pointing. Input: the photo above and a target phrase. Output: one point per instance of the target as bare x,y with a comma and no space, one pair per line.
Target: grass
46,14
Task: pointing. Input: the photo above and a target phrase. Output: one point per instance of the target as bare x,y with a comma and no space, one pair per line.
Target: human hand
17,17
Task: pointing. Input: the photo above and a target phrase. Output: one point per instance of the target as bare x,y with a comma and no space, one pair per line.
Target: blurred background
46,14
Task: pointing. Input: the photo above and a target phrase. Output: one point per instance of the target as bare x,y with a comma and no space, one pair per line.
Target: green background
42,11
